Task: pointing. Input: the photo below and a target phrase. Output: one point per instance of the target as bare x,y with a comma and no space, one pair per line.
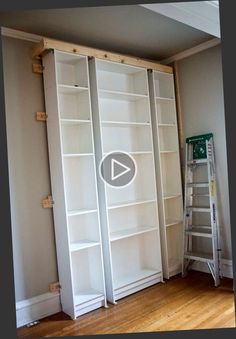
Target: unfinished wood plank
48,202
41,116
47,44
178,106
37,68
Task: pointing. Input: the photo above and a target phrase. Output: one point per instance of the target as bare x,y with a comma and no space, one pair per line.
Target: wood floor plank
178,304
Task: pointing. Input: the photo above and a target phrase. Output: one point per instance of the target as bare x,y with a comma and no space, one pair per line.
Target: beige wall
201,91
33,235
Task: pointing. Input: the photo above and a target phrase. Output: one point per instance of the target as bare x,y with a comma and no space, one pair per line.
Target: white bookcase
129,215
166,147
74,183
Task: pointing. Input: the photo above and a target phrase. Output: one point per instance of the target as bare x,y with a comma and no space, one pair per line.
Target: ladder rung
199,256
199,232
199,209
207,227
198,184
198,162
199,195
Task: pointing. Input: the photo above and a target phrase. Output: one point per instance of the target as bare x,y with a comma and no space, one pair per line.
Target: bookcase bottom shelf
87,296
87,302
135,282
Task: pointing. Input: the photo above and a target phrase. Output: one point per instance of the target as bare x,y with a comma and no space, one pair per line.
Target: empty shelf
170,151
130,232
117,95
125,123
166,125
164,98
130,203
71,89
81,211
133,277
86,296
74,121
82,245
67,155
133,152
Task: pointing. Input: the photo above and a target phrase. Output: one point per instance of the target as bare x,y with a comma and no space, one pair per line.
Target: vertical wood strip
178,105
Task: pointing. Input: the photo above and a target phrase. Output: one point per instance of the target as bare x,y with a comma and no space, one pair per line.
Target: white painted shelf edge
130,232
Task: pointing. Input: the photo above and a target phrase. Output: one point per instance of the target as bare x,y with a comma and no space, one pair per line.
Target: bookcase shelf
122,121
166,148
130,232
74,183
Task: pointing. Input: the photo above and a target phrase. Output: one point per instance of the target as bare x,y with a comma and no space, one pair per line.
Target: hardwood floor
178,304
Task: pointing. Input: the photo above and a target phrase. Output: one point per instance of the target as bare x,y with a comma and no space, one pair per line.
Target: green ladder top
197,138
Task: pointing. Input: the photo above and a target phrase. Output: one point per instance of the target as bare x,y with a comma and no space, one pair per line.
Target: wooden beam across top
47,44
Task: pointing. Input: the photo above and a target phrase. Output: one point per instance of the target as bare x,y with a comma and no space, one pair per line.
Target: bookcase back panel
173,210
142,187
164,85
74,105
84,227
132,217
135,257
168,139
87,270
126,138
174,241
80,183
72,71
122,78
124,110
171,179
77,138
166,111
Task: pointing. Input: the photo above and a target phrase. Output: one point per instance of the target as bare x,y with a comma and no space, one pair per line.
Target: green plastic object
199,145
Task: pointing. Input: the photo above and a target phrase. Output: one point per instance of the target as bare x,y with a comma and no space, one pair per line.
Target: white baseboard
227,268
36,308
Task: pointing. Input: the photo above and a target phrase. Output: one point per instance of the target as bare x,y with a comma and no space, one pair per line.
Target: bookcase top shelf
47,44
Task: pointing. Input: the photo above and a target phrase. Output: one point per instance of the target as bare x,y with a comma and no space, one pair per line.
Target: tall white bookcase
129,215
74,182
166,146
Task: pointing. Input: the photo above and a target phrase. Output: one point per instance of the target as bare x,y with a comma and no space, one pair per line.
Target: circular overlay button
118,169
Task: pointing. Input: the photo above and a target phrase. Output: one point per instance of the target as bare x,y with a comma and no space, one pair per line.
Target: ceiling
202,15
132,30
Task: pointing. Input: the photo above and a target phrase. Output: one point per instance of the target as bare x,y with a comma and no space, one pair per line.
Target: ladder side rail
185,236
187,213
218,235
213,212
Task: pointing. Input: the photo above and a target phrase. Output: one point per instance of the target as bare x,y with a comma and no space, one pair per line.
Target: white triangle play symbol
118,169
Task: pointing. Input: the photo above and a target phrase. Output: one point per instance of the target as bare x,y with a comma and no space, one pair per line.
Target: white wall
33,237
201,92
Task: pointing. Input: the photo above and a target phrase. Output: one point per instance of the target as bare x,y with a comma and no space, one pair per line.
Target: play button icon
118,169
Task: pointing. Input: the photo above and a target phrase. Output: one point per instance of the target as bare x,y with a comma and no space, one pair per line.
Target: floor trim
32,309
